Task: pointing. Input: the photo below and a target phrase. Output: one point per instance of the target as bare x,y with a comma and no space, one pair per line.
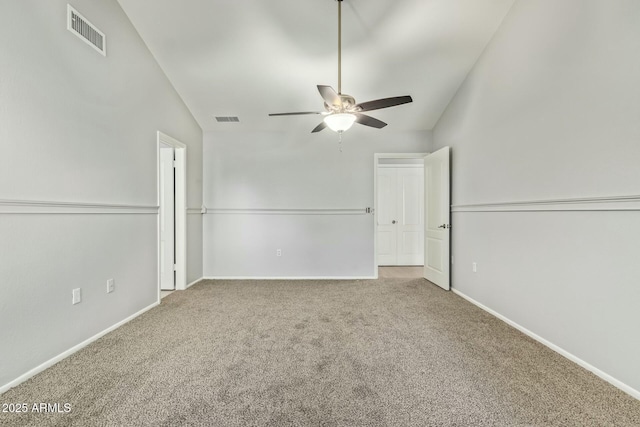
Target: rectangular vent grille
227,119
87,32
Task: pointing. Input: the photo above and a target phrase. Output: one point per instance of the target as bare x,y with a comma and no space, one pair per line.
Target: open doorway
171,178
435,216
399,215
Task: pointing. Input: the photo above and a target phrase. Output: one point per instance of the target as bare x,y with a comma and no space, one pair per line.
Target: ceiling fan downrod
339,47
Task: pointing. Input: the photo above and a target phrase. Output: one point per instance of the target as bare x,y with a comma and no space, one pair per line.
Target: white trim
608,378
251,211
72,350
43,207
610,203
180,207
400,165
193,211
170,141
400,155
376,157
289,278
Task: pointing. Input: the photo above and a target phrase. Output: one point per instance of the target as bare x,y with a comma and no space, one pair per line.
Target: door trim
400,166
376,158
180,206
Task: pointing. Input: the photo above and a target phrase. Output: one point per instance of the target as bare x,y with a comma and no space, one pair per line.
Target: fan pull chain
340,141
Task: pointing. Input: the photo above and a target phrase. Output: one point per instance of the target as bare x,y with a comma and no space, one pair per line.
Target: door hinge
175,267
174,163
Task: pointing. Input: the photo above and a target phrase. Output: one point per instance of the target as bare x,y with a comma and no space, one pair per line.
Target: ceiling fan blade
330,96
318,128
363,119
295,114
383,103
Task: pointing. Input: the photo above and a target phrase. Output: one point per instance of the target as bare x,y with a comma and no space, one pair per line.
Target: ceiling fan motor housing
348,103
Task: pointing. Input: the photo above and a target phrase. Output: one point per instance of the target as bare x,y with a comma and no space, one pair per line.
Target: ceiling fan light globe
340,122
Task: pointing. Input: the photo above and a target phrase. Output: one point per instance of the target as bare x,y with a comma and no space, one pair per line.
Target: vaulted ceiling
248,58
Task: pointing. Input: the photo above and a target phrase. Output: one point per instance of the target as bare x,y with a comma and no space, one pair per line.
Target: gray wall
551,111
251,172
80,128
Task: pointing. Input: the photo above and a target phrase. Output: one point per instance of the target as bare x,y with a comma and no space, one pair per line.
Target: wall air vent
82,28
227,119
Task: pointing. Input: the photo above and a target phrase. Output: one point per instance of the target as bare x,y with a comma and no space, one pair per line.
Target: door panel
437,225
410,202
434,254
411,198
386,196
386,213
412,243
386,248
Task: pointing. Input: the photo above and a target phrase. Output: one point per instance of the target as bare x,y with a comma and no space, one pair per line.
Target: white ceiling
248,58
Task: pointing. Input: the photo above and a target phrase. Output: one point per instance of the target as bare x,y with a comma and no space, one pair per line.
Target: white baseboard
608,378
289,278
65,354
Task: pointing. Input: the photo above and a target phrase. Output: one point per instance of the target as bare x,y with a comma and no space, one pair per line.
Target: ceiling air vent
227,119
82,28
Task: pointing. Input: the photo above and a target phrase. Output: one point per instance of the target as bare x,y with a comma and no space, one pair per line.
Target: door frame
180,202
376,158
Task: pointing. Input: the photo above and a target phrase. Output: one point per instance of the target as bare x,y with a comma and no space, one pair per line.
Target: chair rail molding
607,203
48,207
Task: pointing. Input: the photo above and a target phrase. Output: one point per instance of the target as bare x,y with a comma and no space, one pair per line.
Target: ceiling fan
341,110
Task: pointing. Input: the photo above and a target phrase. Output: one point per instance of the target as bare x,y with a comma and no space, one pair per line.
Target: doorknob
442,226
393,222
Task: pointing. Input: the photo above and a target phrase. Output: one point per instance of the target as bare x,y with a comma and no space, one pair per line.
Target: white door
410,222
400,216
437,225
167,222
386,213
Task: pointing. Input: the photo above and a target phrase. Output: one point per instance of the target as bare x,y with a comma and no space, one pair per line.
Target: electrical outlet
111,286
77,296
278,252
474,266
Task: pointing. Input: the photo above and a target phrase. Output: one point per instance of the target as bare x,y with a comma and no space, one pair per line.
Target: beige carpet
389,352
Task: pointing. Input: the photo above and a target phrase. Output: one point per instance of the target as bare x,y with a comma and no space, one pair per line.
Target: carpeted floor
388,352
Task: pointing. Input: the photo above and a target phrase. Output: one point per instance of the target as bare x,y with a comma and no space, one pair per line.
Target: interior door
167,219
410,212
437,211
386,213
